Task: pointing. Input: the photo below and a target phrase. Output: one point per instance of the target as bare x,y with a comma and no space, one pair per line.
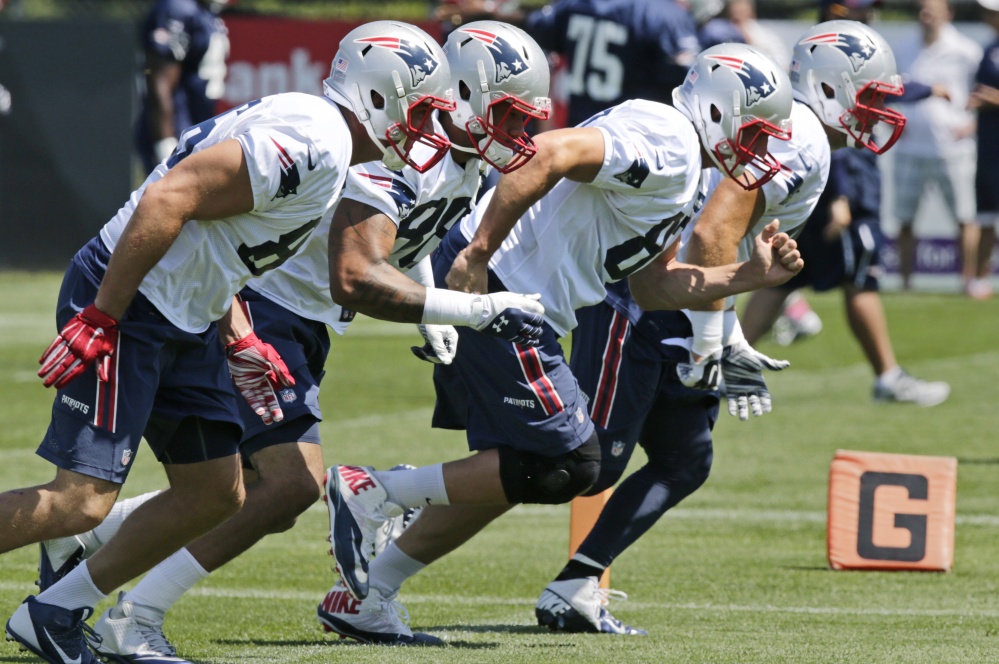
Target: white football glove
703,375
510,316
742,367
441,344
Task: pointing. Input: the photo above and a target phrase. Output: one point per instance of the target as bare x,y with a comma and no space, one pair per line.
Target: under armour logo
500,324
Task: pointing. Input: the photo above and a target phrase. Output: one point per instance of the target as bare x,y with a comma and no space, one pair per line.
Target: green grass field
735,574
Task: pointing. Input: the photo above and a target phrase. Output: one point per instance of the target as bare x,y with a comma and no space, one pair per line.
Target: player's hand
441,344
510,316
257,369
702,374
90,336
742,368
467,274
775,256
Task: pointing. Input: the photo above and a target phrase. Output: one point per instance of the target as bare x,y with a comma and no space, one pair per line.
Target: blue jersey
988,118
719,31
617,49
853,173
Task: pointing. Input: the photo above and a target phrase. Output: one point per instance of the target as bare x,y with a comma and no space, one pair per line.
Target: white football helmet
393,76
844,71
497,70
737,97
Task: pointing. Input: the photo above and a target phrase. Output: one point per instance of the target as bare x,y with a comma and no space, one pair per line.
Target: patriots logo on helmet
636,173
755,82
401,193
417,57
508,61
859,50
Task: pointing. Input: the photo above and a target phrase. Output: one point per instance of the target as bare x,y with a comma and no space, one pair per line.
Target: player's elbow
651,293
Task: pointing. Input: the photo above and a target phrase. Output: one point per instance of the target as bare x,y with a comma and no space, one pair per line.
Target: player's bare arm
666,283
361,278
576,154
211,184
730,213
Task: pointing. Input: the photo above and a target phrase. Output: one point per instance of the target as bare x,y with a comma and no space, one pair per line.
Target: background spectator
186,48
985,98
938,144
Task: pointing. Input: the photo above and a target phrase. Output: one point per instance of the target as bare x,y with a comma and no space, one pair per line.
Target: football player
404,212
598,203
636,365
139,353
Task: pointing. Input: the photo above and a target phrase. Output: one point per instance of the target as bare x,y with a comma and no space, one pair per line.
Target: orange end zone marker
583,513
891,511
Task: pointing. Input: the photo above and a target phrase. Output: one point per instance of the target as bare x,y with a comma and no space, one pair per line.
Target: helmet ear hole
377,101
463,91
716,114
828,91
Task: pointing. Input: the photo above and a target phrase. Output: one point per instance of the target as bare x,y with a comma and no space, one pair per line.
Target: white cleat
908,389
578,605
375,619
358,507
133,634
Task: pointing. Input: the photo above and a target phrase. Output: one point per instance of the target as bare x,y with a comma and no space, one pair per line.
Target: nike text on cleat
58,558
133,634
358,507
578,605
53,633
375,619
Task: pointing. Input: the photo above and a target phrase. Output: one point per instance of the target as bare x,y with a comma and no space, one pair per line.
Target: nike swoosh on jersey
312,166
59,650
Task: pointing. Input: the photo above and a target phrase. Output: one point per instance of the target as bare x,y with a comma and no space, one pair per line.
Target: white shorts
955,177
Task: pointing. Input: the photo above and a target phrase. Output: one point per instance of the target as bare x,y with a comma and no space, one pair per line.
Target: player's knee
292,497
684,473
532,478
79,503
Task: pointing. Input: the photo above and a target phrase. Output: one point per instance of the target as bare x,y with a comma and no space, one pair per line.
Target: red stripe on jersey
106,413
603,400
538,381
283,156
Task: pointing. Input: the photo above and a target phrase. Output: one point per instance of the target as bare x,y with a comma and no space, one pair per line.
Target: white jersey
285,139
792,194
580,236
422,205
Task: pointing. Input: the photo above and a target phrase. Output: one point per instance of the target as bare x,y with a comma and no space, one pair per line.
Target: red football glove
257,369
90,336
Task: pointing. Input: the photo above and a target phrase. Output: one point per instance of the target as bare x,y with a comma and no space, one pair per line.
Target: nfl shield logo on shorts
288,395
617,448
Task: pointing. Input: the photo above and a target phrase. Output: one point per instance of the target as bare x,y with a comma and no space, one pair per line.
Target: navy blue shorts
627,372
505,395
165,384
854,257
986,185
304,346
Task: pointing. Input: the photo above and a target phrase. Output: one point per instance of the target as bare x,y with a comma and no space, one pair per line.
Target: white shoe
133,634
578,605
908,389
375,619
358,506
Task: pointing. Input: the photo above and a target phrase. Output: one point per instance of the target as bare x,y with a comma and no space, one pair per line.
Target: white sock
73,591
165,583
415,488
889,377
99,536
390,569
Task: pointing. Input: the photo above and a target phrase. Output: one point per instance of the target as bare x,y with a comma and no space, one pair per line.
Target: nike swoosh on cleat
60,651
